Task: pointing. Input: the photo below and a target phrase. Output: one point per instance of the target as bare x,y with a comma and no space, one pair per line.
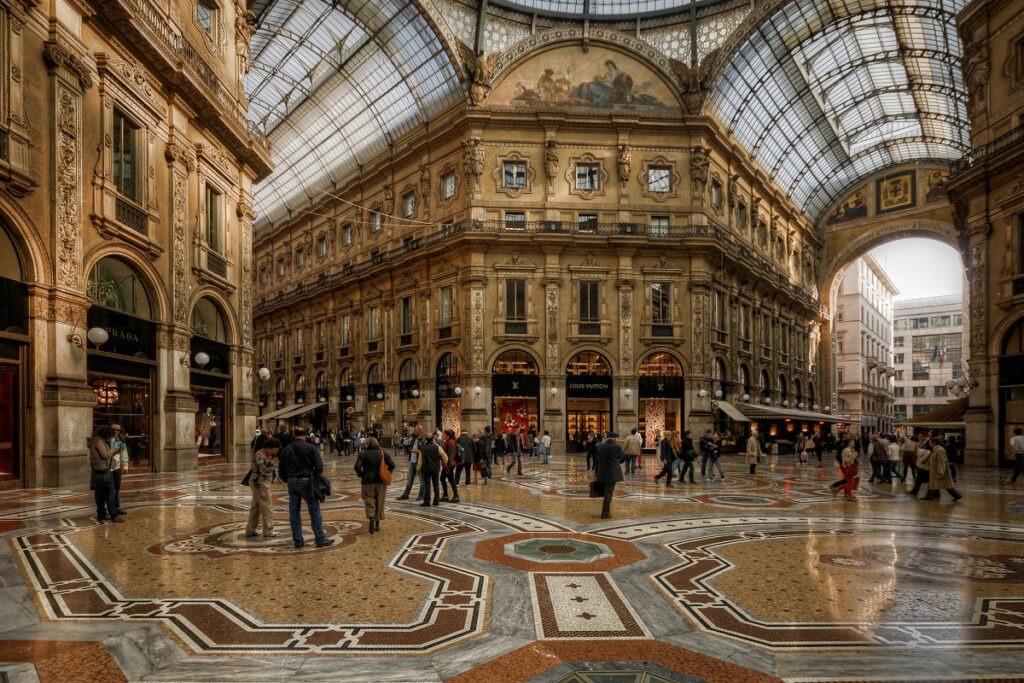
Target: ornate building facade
528,262
987,188
126,170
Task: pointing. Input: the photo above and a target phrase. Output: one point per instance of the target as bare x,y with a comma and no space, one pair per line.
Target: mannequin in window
204,423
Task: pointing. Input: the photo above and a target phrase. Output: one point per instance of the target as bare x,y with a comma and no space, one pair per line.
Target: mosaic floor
755,578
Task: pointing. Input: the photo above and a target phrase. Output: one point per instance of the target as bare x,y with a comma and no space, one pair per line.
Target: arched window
408,372
718,376
798,391
660,365
783,388
588,363
114,283
345,379
449,368
1013,342
743,378
208,320
812,399
373,375
764,384
515,363
10,258
300,383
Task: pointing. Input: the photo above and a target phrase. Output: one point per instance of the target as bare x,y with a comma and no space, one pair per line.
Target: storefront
409,392
14,347
346,400
661,397
375,399
515,386
318,418
448,401
210,380
588,398
1011,391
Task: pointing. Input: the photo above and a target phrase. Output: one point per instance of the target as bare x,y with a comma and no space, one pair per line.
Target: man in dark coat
430,463
297,463
608,470
466,448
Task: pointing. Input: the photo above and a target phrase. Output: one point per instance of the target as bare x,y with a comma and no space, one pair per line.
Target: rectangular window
898,341
661,303
319,337
513,174
659,226
899,375
280,267
204,15
376,220
298,345
515,221
300,258
741,216
448,186
918,323
718,320
920,370
587,222
279,347
659,179
373,323
920,391
941,391
321,247
900,359
940,321
346,234
213,214
588,176
590,307
409,204
839,375
264,276
406,321
126,160
898,392
346,331
958,319
1018,61
445,308
515,299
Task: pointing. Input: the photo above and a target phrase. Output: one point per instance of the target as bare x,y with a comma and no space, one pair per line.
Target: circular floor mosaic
230,539
558,550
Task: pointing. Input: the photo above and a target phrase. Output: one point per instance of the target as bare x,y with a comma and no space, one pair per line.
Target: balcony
128,213
146,26
872,361
447,332
527,330
373,345
589,330
987,152
407,339
216,264
297,360
661,333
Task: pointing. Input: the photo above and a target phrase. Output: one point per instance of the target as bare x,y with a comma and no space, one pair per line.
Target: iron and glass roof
826,94
333,84
602,9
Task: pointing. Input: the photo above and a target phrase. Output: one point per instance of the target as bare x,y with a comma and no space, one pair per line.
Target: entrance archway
515,386
662,396
14,348
448,401
588,398
210,378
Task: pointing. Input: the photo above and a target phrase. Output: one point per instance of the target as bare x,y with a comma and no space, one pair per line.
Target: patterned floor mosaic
762,573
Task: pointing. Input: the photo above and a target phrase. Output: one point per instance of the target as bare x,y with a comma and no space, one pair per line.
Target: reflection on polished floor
756,578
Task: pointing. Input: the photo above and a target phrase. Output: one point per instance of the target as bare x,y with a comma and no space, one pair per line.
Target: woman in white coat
753,450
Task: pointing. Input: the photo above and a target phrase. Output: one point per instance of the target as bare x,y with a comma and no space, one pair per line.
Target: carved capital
57,55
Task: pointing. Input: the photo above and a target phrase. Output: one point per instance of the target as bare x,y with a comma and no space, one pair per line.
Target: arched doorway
14,347
346,399
515,386
210,379
409,392
122,371
1011,389
588,398
375,398
319,419
448,401
743,382
280,392
300,389
662,396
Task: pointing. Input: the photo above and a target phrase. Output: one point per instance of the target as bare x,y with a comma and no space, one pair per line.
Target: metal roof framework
824,95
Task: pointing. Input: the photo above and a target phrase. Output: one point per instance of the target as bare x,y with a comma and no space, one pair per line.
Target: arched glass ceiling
333,84
824,94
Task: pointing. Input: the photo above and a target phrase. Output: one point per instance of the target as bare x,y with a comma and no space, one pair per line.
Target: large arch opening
210,378
515,387
14,340
662,396
588,398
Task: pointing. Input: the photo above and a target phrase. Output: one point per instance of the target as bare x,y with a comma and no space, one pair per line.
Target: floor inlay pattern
584,606
70,586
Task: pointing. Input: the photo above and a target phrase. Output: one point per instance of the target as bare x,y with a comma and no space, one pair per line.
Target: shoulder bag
596,489
385,473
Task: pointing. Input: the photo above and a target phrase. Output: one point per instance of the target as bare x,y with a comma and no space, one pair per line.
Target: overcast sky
921,267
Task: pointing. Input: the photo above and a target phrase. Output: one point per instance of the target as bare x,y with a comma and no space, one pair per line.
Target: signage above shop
589,386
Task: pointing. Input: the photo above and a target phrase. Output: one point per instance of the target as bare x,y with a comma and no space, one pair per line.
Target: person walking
414,442
940,475
716,454
707,445
514,445
893,450
374,488
451,463
631,448
847,458
464,446
488,439
753,451
545,444
687,455
1017,446
100,480
819,446
909,457
498,450
666,454
878,456
297,462
923,467
529,437
430,462
480,463
591,448
608,470
261,475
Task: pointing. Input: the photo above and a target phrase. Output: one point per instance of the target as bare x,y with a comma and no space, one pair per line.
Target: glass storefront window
125,402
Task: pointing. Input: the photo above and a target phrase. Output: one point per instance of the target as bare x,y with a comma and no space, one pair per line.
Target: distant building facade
864,360
928,351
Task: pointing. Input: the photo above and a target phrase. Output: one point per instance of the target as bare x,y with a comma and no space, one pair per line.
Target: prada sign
589,386
128,335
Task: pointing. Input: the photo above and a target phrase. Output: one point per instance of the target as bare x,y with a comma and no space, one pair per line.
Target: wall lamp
554,391
97,335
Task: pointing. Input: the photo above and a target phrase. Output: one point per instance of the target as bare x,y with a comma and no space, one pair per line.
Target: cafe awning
730,410
759,412
949,416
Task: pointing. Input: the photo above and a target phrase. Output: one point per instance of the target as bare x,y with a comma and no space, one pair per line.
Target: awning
949,414
301,409
730,410
756,412
278,413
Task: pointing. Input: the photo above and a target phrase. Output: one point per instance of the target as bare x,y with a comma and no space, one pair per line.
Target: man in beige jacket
632,448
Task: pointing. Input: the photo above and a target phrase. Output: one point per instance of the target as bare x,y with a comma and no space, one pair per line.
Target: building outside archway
588,398
515,386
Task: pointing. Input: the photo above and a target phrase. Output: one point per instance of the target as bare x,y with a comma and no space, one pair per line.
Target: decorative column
242,371
626,413
700,415
475,408
984,370
552,375
67,400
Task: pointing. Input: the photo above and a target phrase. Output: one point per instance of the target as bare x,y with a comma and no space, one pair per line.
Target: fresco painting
896,192
853,207
597,79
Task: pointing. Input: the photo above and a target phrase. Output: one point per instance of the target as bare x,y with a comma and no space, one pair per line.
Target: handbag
385,473
319,486
100,479
596,489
